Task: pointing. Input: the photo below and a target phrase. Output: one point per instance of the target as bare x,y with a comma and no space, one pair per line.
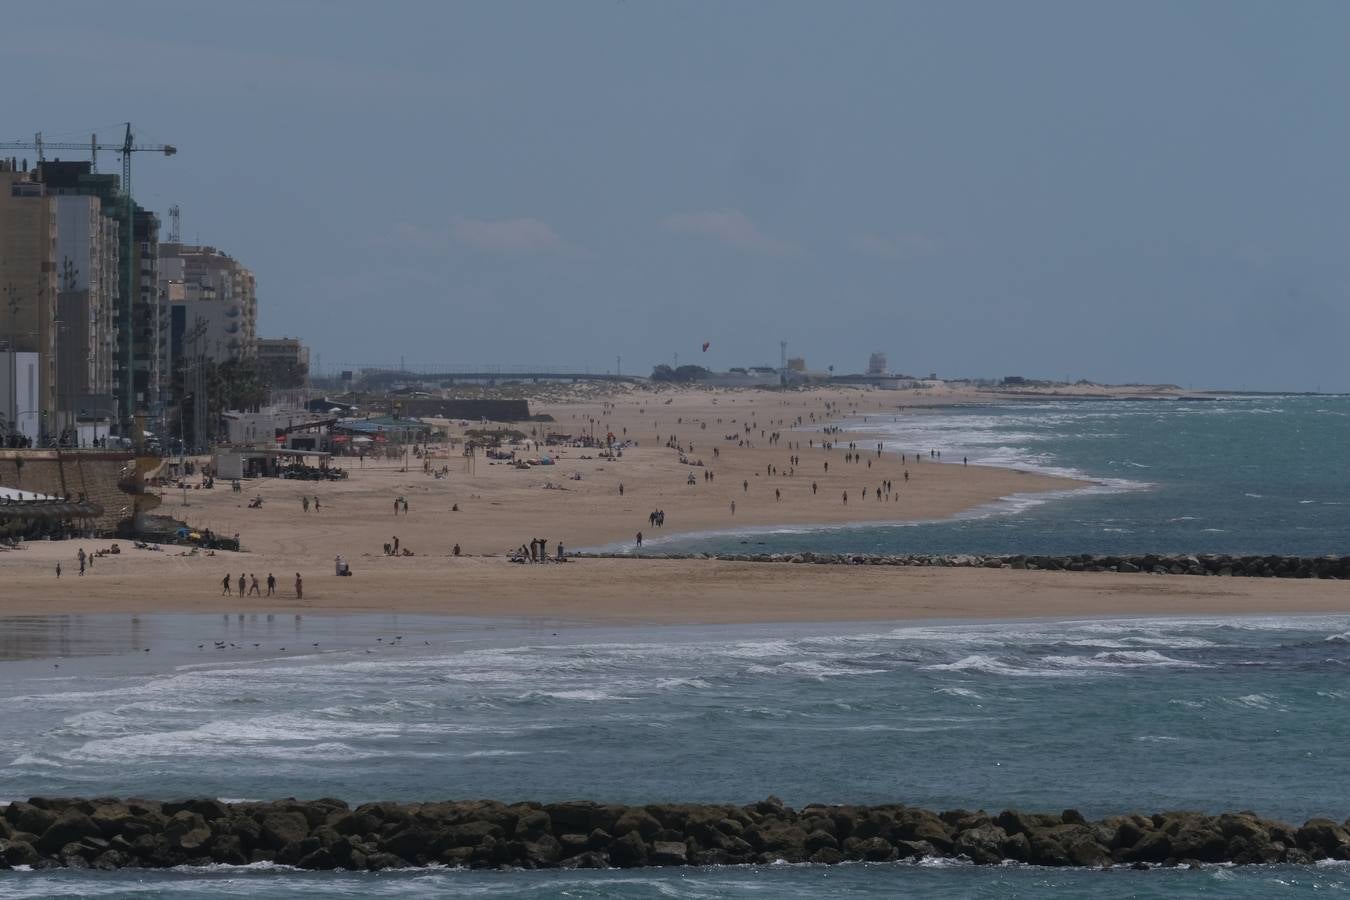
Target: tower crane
130,272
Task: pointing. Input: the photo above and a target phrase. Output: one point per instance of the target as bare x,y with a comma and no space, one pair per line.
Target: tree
682,375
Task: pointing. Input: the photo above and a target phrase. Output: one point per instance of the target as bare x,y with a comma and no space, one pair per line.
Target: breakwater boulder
1333,567
328,834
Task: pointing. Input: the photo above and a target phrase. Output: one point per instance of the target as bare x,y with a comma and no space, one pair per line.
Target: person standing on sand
82,558
271,584
241,584
396,503
733,507
58,571
304,503
316,502
253,585
639,540
396,545
225,586
299,587
620,488
846,498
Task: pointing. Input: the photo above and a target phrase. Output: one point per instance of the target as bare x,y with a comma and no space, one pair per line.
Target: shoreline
657,591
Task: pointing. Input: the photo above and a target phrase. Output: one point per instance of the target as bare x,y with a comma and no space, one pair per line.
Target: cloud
902,247
503,236
506,235
729,226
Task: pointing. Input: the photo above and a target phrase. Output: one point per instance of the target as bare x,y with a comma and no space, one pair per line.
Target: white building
20,396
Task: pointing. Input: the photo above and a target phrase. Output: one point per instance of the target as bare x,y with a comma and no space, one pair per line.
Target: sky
1125,192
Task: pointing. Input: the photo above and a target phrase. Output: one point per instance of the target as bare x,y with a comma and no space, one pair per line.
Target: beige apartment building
28,283
210,296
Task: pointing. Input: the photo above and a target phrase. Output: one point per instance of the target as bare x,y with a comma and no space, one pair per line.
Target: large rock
187,831
639,820
29,818
282,828
18,853
1324,838
68,828
982,845
668,853
628,851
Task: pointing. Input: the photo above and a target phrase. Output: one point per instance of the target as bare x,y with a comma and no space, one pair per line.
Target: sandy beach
578,501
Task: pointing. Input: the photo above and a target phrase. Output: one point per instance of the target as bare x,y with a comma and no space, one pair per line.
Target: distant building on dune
876,364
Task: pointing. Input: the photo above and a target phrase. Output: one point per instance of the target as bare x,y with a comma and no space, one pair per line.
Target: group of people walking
248,584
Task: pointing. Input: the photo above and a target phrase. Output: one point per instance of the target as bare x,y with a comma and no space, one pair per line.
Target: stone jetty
1335,567
328,834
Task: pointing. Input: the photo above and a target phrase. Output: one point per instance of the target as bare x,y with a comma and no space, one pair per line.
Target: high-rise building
87,254
212,297
876,364
28,286
140,323
149,323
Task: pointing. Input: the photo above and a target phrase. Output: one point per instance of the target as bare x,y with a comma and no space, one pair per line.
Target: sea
1103,715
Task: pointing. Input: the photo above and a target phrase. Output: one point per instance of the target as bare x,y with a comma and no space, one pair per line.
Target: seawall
327,834
97,474
1329,567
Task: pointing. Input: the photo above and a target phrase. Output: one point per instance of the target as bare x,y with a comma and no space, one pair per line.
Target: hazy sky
1119,191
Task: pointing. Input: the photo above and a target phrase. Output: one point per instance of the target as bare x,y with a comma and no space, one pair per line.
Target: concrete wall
66,473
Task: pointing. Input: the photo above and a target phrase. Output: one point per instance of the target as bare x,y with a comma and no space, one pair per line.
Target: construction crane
130,271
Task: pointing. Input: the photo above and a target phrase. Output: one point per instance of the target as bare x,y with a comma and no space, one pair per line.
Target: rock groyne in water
327,834
1334,567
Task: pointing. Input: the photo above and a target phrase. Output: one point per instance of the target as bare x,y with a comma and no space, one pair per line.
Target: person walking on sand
299,587
253,585
271,584
316,502
225,586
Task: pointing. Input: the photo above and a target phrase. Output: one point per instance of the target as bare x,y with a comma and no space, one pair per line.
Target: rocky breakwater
327,834
1333,567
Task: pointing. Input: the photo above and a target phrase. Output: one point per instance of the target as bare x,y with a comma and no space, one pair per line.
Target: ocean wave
1121,659
992,665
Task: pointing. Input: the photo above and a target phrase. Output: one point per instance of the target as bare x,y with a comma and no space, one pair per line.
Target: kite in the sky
706,345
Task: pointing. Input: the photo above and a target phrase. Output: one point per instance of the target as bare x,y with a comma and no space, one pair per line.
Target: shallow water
862,880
